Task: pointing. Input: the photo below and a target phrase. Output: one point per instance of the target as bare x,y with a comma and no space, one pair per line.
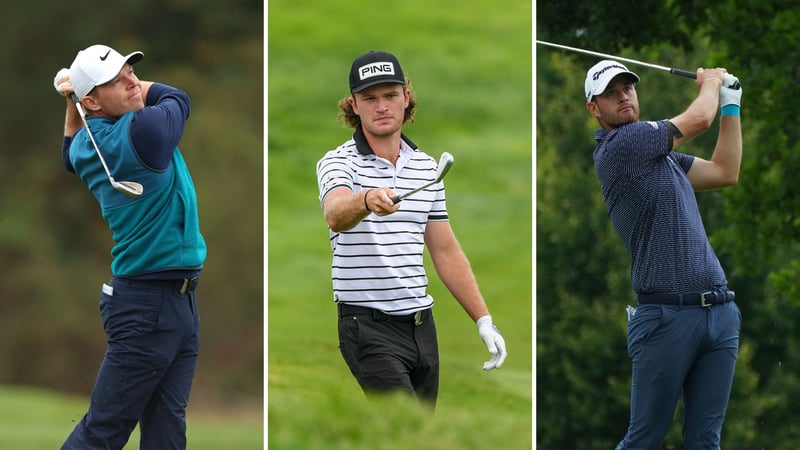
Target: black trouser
391,353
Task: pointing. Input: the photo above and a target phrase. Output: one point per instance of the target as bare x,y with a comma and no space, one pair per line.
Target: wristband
365,200
730,110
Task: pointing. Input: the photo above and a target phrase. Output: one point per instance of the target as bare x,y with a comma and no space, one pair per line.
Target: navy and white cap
97,65
375,67
598,77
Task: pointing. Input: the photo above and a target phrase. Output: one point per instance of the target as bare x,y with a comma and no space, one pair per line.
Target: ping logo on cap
375,69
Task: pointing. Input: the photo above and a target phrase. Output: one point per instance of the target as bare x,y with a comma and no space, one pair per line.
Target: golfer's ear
592,108
89,103
353,103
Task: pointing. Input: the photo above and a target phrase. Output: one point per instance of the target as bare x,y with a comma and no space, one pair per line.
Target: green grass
470,65
34,419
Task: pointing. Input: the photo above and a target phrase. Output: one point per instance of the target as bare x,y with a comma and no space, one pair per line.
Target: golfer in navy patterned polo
683,335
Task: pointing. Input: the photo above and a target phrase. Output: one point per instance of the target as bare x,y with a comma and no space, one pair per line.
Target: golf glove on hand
60,80
728,95
494,342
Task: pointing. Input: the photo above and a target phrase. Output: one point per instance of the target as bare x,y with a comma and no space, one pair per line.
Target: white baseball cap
598,77
97,65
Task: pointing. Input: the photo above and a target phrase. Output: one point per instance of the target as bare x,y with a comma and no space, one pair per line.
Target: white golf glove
61,80
730,93
494,342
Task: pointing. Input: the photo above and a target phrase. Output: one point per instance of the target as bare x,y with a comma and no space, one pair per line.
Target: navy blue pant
387,354
690,350
148,368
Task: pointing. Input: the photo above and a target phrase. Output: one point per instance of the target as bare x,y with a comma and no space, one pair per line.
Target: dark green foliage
582,272
608,26
54,245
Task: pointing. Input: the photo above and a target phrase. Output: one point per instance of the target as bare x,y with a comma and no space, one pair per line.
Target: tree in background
53,243
582,272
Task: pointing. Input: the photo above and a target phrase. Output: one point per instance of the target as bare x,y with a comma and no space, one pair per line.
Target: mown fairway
33,419
470,65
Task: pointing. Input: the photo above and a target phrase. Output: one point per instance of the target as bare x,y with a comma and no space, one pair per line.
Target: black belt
182,285
704,299
353,310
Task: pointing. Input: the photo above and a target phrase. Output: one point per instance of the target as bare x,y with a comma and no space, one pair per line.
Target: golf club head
445,161
128,188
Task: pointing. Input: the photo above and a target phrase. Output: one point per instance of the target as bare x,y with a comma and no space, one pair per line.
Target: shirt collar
600,134
363,146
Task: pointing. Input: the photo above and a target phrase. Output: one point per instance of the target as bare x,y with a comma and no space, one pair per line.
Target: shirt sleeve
65,154
157,128
684,161
633,149
333,171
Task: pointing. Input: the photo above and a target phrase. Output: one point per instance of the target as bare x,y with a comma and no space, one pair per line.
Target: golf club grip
396,199
78,106
683,73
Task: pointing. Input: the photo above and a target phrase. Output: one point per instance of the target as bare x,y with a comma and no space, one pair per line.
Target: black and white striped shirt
379,262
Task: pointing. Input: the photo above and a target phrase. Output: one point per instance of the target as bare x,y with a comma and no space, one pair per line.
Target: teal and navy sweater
157,235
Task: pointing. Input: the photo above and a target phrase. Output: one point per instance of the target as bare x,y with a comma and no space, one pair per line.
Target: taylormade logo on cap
598,77
374,68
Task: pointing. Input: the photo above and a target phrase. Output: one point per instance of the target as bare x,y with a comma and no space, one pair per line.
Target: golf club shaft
683,73
127,188
82,113
445,161
400,197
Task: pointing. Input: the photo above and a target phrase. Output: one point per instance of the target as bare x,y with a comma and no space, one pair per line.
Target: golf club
445,161
684,73
128,188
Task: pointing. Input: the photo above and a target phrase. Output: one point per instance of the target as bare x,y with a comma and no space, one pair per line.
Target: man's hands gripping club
380,201
730,93
61,82
494,341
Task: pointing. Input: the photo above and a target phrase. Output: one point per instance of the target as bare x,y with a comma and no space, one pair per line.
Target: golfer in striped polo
387,334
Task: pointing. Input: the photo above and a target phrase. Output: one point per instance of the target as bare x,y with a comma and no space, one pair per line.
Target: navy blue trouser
148,368
391,354
674,349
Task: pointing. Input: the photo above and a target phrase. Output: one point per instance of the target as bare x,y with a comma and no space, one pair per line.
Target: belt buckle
705,303
418,318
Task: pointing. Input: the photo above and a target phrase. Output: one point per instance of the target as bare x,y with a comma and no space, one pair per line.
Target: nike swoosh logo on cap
103,58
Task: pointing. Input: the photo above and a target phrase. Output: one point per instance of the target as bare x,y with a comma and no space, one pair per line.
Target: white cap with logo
97,65
598,77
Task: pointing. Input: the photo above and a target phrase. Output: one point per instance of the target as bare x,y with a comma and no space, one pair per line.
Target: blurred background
469,62
55,246
583,272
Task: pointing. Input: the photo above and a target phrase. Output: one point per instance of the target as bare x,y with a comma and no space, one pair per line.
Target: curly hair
353,120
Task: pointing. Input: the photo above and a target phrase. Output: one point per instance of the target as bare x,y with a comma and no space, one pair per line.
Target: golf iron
129,188
445,161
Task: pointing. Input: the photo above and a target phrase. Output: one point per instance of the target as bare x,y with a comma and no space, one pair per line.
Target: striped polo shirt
379,262
652,205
